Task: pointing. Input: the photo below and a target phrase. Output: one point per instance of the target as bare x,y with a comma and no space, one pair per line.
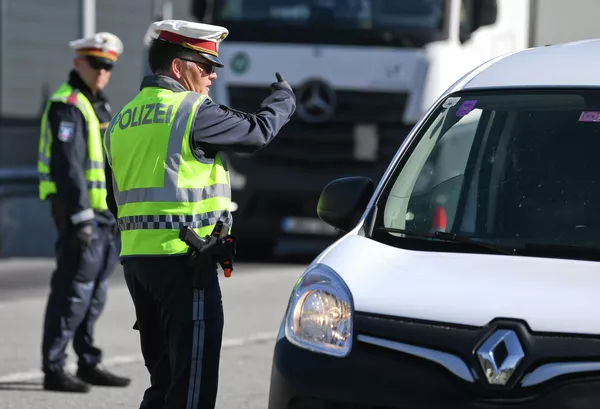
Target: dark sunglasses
207,68
99,64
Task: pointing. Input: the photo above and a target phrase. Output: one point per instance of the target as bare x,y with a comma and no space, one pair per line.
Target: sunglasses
99,64
207,68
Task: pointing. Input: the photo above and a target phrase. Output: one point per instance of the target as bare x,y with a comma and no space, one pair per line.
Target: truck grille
331,142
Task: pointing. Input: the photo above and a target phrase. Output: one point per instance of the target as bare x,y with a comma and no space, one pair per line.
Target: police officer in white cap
164,148
71,168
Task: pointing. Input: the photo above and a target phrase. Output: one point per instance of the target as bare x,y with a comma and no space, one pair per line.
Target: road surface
254,300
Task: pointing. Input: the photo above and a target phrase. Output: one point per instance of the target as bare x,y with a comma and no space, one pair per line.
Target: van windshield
518,169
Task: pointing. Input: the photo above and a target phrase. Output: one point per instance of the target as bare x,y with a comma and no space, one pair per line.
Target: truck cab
364,72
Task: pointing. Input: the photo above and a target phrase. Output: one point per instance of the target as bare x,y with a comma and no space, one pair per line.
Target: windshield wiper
452,237
397,37
561,251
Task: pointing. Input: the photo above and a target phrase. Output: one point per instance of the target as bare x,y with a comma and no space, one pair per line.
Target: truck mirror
485,13
199,9
344,200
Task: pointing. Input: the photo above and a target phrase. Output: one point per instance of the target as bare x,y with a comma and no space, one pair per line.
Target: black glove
280,84
115,229
84,234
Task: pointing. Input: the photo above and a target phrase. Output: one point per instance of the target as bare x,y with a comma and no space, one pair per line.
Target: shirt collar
77,82
162,81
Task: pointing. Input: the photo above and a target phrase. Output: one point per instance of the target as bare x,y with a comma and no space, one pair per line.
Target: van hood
551,295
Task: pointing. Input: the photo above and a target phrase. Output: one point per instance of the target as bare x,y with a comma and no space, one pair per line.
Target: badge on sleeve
66,130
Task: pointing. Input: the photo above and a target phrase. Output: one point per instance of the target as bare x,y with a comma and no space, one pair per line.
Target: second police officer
71,168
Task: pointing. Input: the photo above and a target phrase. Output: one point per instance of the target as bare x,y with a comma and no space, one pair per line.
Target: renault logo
499,356
316,102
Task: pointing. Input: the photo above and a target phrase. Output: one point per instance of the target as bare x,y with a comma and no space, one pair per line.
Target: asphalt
255,298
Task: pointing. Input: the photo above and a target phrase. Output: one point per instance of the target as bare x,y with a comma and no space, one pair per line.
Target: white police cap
200,37
100,45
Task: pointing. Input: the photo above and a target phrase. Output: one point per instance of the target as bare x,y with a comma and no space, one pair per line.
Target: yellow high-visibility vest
159,183
94,164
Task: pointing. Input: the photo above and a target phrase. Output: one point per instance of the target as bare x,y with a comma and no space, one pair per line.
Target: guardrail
18,173
18,182
20,209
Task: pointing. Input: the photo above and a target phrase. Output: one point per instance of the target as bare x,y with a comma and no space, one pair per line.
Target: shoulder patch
72,99
66,130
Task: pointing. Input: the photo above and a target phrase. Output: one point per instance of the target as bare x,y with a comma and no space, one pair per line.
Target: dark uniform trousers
180,328
78,290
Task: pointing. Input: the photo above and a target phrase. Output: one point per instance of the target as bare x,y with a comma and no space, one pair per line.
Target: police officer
164,148
72,175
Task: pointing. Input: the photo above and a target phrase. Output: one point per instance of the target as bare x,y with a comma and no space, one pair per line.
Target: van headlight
320,313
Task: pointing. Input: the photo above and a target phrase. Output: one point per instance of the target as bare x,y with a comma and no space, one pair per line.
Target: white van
469,277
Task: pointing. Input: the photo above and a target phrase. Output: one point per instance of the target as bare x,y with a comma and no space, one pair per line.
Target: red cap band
193,43
97,52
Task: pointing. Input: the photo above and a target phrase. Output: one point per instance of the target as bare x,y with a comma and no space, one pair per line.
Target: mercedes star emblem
500,355
316,102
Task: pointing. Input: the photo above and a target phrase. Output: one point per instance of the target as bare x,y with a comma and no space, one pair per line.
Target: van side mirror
485,13
344,200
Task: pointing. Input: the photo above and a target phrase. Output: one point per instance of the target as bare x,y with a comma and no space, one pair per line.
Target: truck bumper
277,206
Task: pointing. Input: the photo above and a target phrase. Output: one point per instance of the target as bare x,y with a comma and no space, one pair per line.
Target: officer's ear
177,67
77,61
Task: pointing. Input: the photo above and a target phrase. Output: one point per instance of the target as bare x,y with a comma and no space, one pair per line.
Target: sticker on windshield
466,107
450,102
589,116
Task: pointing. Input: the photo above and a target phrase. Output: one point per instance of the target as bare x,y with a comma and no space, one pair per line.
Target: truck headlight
320,313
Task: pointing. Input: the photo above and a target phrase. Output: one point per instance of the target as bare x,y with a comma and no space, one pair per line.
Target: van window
517,169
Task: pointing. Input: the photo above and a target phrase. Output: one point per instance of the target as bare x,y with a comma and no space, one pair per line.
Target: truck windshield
374,22
517,170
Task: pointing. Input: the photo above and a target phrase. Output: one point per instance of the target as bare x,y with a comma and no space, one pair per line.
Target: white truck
364,71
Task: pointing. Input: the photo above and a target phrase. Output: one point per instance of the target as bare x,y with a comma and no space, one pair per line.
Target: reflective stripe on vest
159,184
94,163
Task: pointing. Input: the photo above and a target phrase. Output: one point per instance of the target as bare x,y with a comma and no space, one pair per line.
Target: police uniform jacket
69,155
218,128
